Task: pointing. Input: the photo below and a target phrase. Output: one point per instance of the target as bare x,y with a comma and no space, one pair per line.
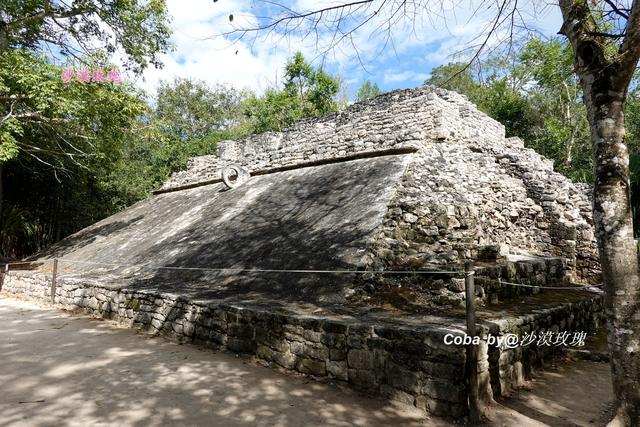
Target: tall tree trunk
4,36
605,76
1,192
618,253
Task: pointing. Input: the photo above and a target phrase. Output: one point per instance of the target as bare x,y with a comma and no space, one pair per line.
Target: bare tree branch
296,16
630,48
617,9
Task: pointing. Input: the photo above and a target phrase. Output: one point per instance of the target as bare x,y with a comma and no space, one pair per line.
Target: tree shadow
320,218
76,371
573,394
85,237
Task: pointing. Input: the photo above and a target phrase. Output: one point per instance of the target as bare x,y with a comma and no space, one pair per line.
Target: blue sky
416,46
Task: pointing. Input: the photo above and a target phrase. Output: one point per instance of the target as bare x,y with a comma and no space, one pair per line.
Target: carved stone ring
234,175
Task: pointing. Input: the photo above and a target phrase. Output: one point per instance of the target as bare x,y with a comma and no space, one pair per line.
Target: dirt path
59,369
572,394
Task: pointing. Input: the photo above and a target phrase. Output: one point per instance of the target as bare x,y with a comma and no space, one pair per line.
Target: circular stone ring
234,175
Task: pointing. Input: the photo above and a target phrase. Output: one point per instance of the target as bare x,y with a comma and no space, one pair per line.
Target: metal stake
53,281
472,350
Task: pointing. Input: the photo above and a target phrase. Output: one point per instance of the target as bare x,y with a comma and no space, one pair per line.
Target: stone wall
457,200
408,363
510,367
466,188
403,118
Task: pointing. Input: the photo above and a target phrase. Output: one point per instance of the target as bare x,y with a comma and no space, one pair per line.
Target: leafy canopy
137,29
307,92
191,108
61,124
367,90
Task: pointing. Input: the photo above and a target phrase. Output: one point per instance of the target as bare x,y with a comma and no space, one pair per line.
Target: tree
191,109
605,37
311,90
138,29
307,92
557,96
605,60
368,90
68,132
86,30
54,138
457,76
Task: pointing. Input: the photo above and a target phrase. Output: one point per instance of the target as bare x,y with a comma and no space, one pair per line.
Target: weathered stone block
404,379
333,340
355,341
334,327
337,354
276,342
310,366
240,330
338,370
313,336
240,345
396,395
297,348
188,328
316,351
360,359
444,390
286,360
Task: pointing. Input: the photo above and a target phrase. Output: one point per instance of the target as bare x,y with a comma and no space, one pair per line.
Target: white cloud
411,77
256,64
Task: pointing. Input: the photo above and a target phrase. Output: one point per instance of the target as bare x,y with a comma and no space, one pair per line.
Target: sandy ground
62,369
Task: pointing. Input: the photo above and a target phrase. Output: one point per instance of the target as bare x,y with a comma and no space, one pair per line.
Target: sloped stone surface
319,218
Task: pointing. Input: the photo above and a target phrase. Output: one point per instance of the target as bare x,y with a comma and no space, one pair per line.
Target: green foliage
137,28
308,92
14,228
368,90
458,77
272,111
59,141
191,109
632,119
536,95
61,124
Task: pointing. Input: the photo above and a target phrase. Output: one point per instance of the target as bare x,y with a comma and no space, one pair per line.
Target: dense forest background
76,146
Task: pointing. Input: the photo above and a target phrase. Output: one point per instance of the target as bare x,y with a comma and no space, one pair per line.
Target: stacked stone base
405,363
510,367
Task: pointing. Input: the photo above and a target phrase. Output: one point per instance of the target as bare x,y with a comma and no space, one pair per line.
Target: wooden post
472,350
53,281
3,274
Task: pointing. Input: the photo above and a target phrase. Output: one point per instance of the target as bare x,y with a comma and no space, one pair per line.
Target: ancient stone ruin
292,258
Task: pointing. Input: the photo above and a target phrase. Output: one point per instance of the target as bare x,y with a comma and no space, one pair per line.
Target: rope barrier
246,270
521,285
3,264
297,271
